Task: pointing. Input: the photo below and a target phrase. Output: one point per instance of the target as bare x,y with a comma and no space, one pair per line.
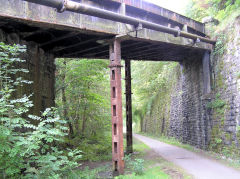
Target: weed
135,165
217,103
86,173
154,172
218,140
220,45
238,75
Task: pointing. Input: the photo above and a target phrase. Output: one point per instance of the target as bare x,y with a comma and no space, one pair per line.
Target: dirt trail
200,167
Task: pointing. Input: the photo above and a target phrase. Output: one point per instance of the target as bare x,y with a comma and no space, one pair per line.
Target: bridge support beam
116,107
206,73
128,105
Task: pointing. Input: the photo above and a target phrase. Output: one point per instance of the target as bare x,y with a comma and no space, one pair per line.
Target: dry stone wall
226,70
208,121
188,119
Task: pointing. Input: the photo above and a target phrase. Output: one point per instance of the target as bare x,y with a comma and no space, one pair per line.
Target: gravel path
200,167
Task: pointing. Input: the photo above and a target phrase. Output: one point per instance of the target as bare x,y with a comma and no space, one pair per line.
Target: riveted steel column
116,105
128,105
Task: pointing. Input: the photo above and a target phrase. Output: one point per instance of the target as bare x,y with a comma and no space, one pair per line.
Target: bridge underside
78,43
72,35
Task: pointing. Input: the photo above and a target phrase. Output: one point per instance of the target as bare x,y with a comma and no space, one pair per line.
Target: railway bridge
102,29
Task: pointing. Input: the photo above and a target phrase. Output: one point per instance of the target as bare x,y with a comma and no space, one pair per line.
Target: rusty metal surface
49,29
168,14
116,106
45,18
128,86
81,8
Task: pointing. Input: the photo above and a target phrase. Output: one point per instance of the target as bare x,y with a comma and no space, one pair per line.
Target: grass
152,173
235,163
154,166
170,140
140,150
86,173
238,75
140,146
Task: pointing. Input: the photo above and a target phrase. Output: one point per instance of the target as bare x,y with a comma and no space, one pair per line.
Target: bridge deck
80,36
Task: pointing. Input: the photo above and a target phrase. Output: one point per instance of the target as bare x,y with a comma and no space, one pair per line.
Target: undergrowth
95,148
28,150
138,168
86,173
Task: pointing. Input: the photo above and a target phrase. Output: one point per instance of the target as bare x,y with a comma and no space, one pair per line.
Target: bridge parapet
42,24
168,16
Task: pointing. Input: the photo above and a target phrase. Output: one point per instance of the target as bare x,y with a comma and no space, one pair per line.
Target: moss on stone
228,136
216,142
238,75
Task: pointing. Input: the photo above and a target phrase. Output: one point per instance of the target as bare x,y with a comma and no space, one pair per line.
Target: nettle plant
27,150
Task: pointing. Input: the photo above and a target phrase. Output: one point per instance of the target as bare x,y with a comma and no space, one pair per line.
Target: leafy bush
220,45
95,148
83,98
218,9
217,103
27,150
136,164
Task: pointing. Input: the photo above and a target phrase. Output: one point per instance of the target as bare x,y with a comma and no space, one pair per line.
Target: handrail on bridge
69,5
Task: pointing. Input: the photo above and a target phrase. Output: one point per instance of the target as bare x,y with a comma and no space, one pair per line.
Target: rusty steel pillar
128,105
116,107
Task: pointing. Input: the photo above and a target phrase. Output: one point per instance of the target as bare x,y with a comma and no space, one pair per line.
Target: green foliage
217,103
41,148
11,162
136,165
86,105
195,11
238,75
154,82
94,148
27,150
220,45
140,146
86,173
152,167
154,173
216,142
218,9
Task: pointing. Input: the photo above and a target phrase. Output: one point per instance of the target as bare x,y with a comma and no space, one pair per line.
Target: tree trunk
84,120
64,100
141,124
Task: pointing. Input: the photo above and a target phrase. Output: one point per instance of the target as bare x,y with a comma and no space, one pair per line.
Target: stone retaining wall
208,121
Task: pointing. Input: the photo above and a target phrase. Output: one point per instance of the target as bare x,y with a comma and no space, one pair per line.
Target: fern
26,150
